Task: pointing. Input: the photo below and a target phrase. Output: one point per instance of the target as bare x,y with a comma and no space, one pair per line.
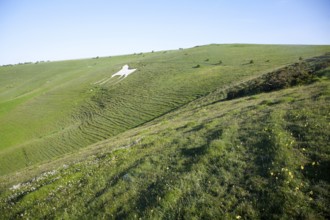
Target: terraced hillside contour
51,109
255,154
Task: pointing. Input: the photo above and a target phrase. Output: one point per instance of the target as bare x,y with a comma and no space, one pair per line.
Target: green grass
50,109
169,142
264,156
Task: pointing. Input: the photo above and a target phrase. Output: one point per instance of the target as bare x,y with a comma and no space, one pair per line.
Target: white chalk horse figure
124,72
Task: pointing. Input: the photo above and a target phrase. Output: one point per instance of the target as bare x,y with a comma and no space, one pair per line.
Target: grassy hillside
255,150
51,109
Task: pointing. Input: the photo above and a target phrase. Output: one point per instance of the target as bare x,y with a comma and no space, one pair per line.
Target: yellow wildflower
302,167
238,217
290,174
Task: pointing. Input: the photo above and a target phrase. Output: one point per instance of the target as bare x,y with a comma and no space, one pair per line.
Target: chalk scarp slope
50,109
259,155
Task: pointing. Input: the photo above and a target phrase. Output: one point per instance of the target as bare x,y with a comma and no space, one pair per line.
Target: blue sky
32,30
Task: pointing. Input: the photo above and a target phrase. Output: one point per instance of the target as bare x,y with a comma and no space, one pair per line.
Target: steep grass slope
50,109
250,156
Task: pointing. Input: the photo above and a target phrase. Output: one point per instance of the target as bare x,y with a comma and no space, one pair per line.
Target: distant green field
51,109
256,147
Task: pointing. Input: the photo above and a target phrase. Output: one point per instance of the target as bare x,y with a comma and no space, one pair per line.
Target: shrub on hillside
295,74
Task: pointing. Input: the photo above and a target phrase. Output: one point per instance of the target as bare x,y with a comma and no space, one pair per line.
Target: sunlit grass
50,109
260,155
245,158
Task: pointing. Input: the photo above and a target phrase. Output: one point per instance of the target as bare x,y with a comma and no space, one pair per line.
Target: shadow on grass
317,173
149,197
